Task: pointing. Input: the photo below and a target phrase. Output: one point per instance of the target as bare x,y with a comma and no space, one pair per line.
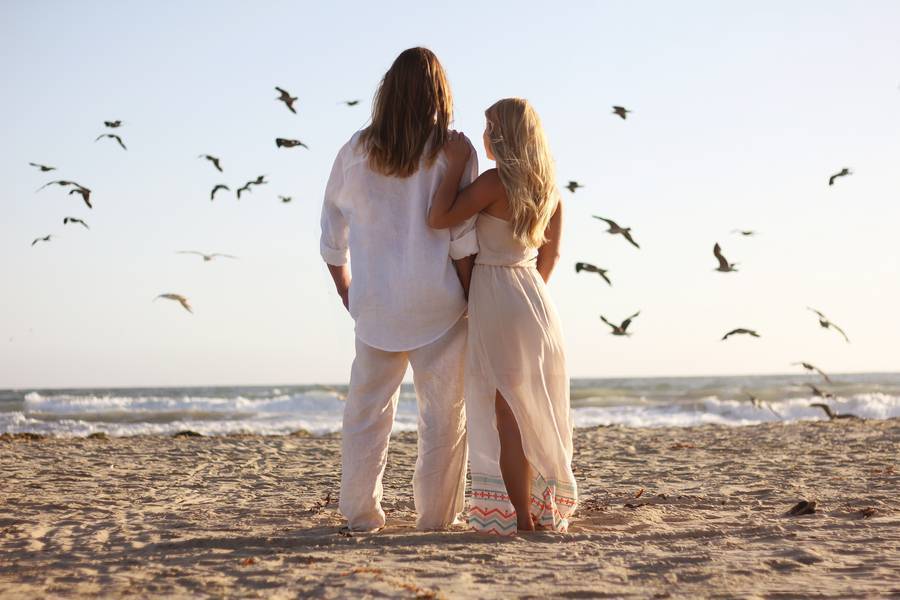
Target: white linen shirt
404,290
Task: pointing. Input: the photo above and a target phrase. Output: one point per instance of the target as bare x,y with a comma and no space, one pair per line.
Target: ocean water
632,402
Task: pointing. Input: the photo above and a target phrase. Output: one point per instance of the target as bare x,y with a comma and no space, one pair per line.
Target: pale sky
741,112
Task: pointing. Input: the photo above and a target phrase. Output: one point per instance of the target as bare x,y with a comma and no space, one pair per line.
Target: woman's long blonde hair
411,114
525,167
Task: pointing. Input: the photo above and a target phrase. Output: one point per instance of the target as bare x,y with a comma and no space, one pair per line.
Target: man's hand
464,272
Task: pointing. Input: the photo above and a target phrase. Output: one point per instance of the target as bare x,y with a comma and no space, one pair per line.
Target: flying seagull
213,160
350,102
206,257
573,185
285,97
724,265
177,298
620,329
813,368
219,186
745,232
113,136
285,199
60,182
582,266
739,331
831,414
79,189
818,393
46,238
842,173
85,195
68,220
824,322
113,124
621,111
43,168
614,228
760,404
286,143
260,180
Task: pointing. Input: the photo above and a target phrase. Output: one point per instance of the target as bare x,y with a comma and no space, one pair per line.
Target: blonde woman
517,388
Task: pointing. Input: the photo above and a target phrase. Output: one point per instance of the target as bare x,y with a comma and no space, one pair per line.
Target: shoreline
665,512
303,433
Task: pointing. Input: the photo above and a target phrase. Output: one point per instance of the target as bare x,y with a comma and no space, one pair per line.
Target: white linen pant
440,473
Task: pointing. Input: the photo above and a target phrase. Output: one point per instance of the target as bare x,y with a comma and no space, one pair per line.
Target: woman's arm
450,206
548,254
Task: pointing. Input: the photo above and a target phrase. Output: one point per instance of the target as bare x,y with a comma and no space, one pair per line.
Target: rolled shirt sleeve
333,244
463,240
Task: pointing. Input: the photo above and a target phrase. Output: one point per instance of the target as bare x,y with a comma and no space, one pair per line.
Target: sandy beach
665,513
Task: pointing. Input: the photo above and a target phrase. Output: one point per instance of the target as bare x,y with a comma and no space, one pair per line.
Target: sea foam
671,402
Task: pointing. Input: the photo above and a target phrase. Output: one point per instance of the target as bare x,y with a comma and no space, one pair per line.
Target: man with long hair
405,291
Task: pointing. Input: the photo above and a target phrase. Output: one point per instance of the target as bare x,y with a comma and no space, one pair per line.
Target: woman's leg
513,465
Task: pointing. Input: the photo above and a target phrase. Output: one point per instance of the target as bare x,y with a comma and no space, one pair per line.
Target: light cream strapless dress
515,346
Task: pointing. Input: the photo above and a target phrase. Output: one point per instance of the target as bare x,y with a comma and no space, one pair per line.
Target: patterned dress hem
490,510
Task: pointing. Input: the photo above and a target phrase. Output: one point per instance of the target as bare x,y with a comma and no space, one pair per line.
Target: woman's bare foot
526,524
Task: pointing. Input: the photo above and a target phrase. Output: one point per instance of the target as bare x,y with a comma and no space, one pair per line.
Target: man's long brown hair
412,111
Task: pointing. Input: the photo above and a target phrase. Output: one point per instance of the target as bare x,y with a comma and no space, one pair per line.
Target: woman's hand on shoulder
458,148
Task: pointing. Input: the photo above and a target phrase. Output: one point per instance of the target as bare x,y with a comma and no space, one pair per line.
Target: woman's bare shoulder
490,177
488,183
491,189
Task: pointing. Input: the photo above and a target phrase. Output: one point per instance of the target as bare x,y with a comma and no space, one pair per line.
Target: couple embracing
448,275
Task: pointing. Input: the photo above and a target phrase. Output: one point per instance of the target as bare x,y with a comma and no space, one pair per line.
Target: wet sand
665,513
